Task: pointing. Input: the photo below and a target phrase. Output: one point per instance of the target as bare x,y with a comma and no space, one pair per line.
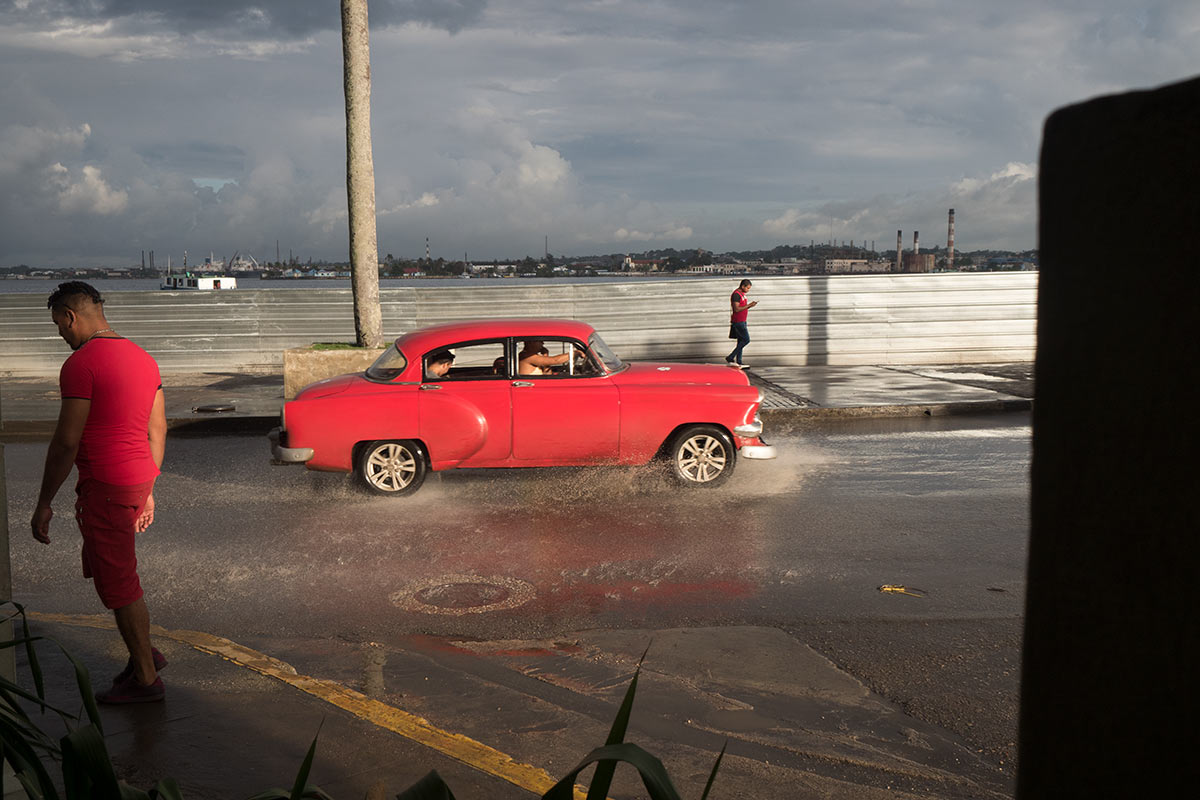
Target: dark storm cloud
236,19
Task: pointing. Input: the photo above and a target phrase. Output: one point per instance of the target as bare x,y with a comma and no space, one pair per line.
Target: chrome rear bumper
287,455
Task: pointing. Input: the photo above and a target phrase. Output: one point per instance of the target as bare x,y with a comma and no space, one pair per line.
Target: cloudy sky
607,125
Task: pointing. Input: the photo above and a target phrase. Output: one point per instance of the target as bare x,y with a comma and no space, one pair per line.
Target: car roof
426,339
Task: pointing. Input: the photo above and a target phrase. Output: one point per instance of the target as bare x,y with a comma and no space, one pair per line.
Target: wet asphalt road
285,559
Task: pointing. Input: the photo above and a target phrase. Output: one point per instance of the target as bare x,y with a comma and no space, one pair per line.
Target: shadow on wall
817,346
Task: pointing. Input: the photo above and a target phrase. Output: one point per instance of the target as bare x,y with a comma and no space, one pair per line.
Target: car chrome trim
287,455
522,384
758,451
750,429
426,387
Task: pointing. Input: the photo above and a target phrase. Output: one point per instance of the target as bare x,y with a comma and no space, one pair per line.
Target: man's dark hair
745,282
441,355
69,294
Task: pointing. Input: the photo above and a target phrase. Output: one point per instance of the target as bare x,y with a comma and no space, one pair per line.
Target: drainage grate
455,595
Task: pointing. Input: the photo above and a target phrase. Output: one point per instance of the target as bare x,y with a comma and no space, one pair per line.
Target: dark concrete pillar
1109,695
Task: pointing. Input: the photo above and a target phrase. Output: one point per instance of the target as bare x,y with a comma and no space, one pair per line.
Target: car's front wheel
391,467
702,455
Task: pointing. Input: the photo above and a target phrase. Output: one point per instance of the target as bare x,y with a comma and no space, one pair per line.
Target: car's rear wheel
702,455
391,467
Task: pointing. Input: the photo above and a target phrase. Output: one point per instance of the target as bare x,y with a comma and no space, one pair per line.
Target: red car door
466,414
563,419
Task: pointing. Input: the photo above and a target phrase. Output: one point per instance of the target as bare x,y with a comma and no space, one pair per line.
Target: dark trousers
742,332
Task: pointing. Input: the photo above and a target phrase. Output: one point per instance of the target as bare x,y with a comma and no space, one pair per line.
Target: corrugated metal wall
837,320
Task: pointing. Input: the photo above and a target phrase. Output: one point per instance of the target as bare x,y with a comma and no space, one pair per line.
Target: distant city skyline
614,126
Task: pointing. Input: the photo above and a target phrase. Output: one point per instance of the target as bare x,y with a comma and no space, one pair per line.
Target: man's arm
60,457
157,433
158,428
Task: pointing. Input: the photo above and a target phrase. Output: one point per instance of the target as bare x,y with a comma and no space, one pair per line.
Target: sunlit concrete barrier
303,365
807,320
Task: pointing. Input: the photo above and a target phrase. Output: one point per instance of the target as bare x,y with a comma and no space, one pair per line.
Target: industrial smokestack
899,244
916,243
950,242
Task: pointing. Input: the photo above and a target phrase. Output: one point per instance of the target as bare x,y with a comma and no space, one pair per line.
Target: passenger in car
535,359
438,364
500,366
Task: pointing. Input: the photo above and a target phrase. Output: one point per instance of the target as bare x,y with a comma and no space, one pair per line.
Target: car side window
471,361
555,358
388,366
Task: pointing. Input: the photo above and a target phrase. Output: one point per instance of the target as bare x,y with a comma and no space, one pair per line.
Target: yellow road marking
459,747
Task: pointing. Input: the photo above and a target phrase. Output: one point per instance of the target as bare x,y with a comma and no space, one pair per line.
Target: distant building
643,264
836,266
918,262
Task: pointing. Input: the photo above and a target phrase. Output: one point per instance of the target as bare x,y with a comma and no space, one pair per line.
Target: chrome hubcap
701,458
391,467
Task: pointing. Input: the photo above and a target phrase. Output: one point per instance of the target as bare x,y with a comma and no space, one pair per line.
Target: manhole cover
214,408
463,594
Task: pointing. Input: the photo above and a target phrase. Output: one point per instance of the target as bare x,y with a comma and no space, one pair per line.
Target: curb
41,429
898,410
38,430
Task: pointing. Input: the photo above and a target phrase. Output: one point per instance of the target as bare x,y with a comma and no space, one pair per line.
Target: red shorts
106,515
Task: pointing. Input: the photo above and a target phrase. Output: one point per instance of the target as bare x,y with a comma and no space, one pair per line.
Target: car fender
452,428
333,425
650,414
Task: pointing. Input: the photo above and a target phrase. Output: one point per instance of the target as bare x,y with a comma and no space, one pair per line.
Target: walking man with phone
738,329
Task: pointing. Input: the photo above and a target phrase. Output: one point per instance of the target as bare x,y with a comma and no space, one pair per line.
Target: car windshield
389,365
602,352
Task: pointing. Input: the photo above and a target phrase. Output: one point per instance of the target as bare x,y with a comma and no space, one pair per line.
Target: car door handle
522,384
425,387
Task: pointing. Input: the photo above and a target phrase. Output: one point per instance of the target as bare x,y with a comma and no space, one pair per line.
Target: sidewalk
231,403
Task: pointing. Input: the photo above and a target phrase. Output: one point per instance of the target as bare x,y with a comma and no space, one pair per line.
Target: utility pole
360,174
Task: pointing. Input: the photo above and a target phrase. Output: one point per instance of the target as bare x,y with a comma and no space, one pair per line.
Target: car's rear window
388,366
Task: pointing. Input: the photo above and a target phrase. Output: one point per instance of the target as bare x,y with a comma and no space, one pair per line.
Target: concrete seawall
800,321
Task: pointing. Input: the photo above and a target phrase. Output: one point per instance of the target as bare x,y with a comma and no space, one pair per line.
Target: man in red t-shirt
112,426
739,311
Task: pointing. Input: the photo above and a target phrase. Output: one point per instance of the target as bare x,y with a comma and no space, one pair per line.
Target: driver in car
438,364
535,359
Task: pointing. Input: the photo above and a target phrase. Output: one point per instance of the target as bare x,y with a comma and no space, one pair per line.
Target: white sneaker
743,366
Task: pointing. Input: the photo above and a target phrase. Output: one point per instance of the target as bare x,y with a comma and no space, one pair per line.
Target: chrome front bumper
750,430
757,451
287,455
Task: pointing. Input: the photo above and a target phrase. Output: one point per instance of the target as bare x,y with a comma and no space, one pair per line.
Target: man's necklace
97,333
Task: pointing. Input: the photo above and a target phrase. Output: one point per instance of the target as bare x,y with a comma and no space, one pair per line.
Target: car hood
673,372
329,386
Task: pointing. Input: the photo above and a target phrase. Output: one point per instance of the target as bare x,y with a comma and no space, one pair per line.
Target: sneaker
743,366
160,661
729,362
130,691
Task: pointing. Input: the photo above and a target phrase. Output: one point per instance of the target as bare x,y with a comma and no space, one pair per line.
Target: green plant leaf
19,750
167,789
86,766
35,669
431,787
712,776
602,779
654,774
301,782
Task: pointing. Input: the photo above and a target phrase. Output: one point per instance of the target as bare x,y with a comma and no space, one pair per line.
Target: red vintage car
519,393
